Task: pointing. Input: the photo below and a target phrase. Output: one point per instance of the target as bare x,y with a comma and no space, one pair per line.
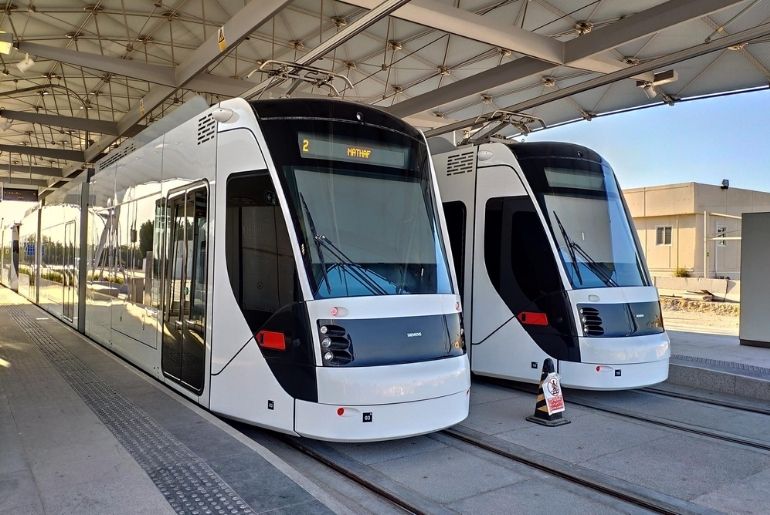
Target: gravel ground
700,322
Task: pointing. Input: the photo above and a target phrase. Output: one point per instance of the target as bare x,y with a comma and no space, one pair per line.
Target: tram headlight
336,347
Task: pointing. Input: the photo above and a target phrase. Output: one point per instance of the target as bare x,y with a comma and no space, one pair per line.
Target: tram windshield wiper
590,262
357,270
570,248
311,224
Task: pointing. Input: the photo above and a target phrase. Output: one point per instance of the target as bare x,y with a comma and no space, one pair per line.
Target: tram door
70,271
183,350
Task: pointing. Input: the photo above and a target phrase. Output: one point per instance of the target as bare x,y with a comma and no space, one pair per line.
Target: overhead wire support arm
381,11
503,118
299,73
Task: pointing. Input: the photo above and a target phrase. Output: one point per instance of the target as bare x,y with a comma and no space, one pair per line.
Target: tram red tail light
532,318
271,340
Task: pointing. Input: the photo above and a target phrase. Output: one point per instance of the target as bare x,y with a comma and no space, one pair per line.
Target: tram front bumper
609,376
340,423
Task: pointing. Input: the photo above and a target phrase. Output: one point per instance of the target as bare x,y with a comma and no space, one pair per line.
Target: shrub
52,276
110,278
681,272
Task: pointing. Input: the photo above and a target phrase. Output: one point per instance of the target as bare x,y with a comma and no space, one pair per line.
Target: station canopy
78,78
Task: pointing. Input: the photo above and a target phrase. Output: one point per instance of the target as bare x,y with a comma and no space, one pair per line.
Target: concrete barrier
695,375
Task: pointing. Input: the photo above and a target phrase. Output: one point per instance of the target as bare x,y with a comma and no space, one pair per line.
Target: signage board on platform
18,194
554,400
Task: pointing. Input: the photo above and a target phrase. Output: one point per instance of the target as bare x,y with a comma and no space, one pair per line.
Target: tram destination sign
18,194
315,146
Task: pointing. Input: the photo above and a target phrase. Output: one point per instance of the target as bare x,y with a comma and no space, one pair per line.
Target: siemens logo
412,335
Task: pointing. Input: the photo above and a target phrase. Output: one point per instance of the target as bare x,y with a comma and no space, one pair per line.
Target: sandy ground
700,322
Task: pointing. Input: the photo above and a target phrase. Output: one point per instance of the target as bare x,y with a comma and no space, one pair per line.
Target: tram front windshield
583,206
362,201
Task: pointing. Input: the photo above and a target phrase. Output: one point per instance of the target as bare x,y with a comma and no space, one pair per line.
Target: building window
663,235
721,233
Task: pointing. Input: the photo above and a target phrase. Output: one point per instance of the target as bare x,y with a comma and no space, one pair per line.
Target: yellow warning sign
221,39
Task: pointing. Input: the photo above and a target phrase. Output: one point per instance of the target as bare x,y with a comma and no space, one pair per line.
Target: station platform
718,363
83,432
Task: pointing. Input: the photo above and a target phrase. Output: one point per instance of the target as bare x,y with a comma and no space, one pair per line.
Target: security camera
650,91
725,184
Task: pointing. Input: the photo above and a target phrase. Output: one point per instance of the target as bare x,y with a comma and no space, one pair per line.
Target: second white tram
280,262
549,266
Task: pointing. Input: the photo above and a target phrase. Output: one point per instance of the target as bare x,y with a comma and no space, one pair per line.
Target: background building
669,220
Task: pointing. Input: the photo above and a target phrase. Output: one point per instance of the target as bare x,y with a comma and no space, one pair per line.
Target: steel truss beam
34,170
144,71
489,30
759,31
153,73
440,16
51,153
69,122
576,51
245,21
639,25
23,182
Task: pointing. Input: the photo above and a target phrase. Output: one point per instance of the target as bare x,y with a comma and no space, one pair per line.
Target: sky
13,211
700,141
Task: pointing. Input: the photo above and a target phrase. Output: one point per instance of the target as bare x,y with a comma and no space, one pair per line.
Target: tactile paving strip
187,482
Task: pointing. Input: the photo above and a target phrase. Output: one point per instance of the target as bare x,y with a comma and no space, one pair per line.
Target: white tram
549,266
280,262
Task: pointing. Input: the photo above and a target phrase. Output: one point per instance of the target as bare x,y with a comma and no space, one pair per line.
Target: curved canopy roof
82,76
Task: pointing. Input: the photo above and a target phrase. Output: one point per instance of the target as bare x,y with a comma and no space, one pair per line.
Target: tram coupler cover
549,407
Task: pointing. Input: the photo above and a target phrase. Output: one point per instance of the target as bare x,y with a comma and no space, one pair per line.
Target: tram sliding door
183,350
69,271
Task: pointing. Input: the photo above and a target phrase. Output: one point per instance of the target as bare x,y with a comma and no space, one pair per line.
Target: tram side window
455,215
517,253
260,262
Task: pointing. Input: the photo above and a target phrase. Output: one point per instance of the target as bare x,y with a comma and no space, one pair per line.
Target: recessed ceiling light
6,42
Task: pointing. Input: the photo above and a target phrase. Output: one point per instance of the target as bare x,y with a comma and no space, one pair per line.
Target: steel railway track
412,502
574,398
751,408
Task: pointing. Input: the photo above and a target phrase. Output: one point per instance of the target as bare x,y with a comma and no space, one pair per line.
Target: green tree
145,237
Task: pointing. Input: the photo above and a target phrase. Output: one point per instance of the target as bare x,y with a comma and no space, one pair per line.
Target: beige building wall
664,259
682,207
667,200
